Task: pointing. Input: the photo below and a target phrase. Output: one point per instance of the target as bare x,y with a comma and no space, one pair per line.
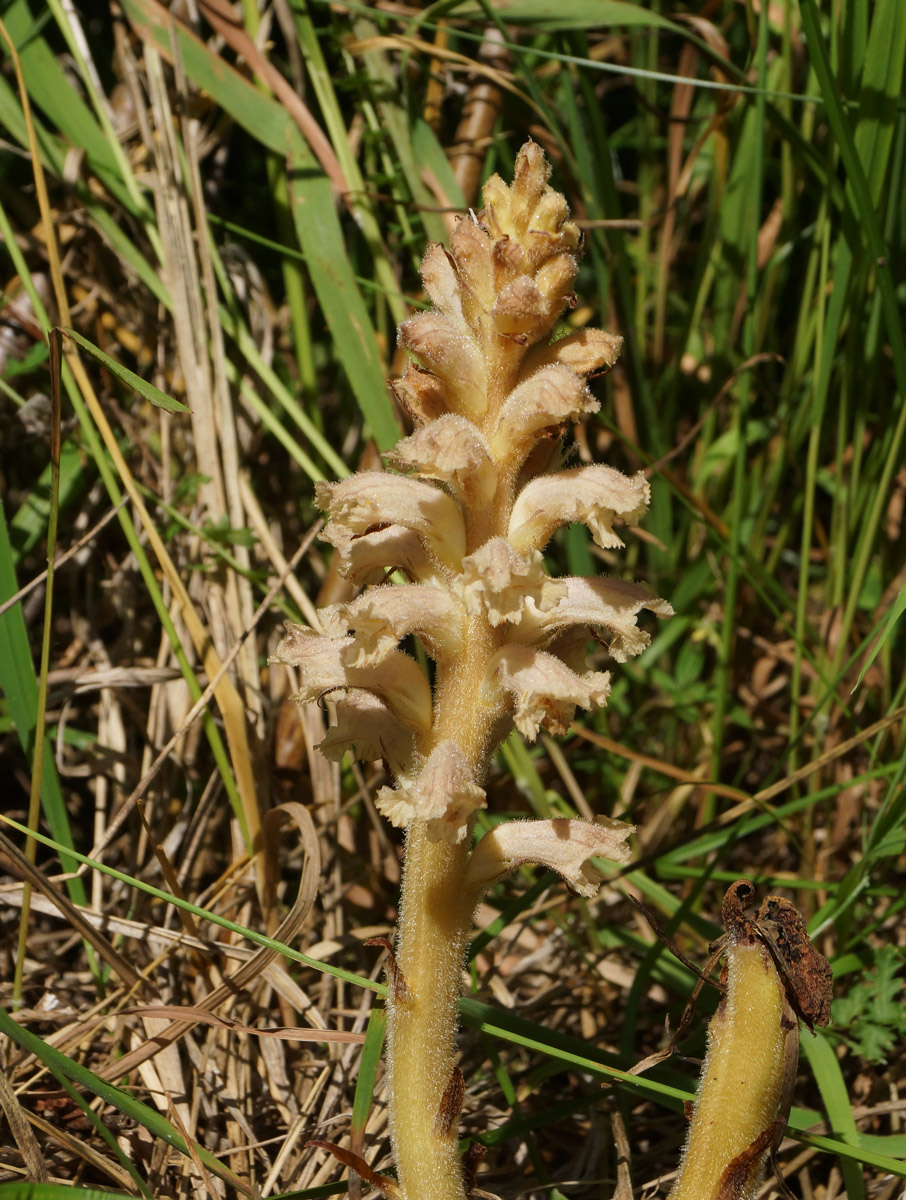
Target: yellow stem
435,921
741,1083
434,924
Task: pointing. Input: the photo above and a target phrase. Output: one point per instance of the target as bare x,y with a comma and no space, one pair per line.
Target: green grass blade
20,687
324,88
575,1053
826,1069
281,393
105,469
880,93
203,914
13,121
430,153
367,1074
895,612
395,121
321,239
128,252
123,1101
574,14
28,525
102,1131
868,227
50,88
253,109
314,212
147,390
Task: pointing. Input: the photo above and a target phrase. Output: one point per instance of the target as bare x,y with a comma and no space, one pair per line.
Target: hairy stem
435,921
434,925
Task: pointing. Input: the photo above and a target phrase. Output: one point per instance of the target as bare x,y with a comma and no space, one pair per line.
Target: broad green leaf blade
12,120
253,109
430,153
49,87
154,395
881,93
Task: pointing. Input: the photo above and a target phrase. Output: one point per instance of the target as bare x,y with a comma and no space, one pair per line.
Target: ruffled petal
444,794
548,398
321,663
382,617
367,729
370,499
371,557
596,495
562,845
453,450
498,581
397,804
587,352
609,604
545,691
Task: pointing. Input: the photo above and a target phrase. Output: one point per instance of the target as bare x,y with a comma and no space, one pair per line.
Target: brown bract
807,976
806,973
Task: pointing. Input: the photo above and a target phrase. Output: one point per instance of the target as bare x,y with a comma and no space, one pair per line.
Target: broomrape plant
481,488
773,978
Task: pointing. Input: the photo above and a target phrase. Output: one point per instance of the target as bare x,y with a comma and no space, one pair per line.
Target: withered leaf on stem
450,1105
381,1183
745,1169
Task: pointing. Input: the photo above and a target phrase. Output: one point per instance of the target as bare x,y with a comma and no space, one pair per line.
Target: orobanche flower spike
474,496
773,977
